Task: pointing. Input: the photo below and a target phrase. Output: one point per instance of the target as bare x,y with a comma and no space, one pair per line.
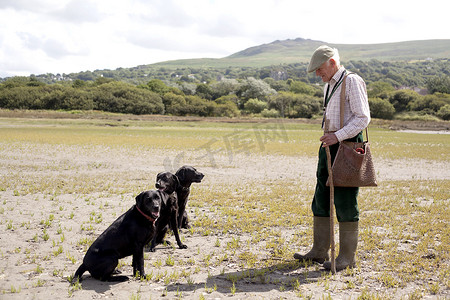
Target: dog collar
146,216
185,189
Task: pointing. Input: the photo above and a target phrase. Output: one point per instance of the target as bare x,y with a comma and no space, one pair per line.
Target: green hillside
409,63
406,79
300,50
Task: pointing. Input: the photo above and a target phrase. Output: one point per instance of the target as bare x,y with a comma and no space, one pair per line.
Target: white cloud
25,5
78,11
63,36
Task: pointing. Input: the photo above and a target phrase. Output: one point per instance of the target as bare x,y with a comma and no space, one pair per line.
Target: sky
67,36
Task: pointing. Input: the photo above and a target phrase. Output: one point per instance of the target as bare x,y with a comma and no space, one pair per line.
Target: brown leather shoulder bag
353,164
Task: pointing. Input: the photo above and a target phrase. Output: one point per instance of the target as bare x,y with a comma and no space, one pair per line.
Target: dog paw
182,246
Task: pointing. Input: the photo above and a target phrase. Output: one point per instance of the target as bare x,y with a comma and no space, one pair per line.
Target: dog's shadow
285,276
99,286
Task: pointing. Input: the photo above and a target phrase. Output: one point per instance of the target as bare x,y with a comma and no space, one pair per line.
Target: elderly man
326,64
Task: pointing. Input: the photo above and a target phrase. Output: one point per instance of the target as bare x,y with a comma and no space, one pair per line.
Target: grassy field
65,180
278,138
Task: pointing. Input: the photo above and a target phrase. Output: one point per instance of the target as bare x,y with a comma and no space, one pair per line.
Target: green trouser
344,197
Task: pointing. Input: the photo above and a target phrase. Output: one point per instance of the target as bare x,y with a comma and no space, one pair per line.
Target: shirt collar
337,75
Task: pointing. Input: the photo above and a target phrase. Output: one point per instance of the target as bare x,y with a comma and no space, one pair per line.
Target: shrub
381,109
439,84
174,104
282,102
255,88
228,98
157,86
429,103
304,106
299,87
401,98
15,81
122,97
416,116
224,87
204,91
379,89
66,98
21,98
227,109
444,112
278,85
76,99
200,107
270,113
255,106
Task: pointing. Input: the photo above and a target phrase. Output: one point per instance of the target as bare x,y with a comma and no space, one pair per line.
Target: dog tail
77,276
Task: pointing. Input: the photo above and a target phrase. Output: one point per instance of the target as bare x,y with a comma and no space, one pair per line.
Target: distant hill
299,51
290,57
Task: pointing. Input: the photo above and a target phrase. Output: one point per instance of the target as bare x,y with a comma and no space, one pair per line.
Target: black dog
168,183
125,236
186,175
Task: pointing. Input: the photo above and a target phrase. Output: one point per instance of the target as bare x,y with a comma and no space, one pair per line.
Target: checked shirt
356,109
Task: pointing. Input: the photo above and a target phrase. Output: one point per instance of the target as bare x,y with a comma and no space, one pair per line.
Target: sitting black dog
168,183
125,236
186,175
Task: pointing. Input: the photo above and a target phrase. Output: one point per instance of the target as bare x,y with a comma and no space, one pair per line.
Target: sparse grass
15,290
76,286
233,289
170,261
283,138
45,235
250,229
39,283
38,269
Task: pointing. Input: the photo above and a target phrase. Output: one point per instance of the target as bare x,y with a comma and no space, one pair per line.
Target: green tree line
397,73
252,96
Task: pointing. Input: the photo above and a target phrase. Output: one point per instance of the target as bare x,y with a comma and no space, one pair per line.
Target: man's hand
328,139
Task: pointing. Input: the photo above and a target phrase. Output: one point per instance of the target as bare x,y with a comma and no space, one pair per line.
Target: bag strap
341,109
342,105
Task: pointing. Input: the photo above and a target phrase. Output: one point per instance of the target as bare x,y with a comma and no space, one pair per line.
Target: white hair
336,57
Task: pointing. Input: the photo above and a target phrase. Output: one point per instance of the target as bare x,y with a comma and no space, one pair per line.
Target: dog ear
164,197
180,174
139,198
177,181
159,175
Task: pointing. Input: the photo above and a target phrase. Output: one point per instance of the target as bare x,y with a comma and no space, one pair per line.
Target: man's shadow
286,276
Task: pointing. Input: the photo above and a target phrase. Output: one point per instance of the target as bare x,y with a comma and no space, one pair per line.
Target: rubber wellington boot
321,243
348,241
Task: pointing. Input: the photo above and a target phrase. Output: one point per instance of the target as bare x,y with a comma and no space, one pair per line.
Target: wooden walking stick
330,179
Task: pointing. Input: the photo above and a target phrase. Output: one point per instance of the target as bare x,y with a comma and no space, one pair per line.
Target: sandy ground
43,236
